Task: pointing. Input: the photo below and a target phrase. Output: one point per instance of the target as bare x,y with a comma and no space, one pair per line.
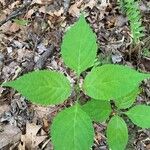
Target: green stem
77,90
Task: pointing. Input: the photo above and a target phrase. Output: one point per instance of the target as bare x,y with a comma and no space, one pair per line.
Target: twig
15,13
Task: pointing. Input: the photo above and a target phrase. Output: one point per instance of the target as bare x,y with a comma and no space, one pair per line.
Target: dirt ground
30,39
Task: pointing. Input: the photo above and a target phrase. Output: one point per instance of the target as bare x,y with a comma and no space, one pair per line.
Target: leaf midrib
74,126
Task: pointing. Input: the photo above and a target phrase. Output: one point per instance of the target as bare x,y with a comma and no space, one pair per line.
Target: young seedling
72,128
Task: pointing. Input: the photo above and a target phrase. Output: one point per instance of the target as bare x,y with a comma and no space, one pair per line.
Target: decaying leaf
14,27
29,13
2,1
10,134
31,140
44,10
75,9
41,2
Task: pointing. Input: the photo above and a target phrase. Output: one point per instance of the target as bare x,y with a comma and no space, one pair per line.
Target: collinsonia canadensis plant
72,128
131,9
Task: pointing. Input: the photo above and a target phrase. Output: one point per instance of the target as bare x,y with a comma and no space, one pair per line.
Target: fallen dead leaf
91,4
2,16
51,13
31,140
5,27
10,135
42,2
14,4
74,9
14,27
29,13
3,2
80,5
3,108
7,11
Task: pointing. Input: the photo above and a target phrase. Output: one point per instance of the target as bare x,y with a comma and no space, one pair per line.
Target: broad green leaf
42,87
79,46
128,100
98,110
72,129
140,115
111,82
117,133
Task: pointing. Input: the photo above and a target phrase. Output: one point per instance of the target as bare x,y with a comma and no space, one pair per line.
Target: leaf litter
36,45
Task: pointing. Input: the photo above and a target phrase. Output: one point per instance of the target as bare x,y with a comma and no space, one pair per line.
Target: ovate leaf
98,110
128,100
42,87
117,133
140,115
72,129
111,82
79,46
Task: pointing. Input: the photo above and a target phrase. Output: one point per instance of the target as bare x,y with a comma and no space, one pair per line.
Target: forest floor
30,39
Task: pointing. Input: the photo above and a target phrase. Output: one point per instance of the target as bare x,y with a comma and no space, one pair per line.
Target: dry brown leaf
7,11
5,27
91,4
2,16
74,9
105,3
51,13
3,2
45,124
42,2
14,4
11,134
14,27
5,107
29,13
41,112
31,140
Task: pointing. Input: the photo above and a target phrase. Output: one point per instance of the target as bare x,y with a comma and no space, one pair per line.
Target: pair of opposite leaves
72,126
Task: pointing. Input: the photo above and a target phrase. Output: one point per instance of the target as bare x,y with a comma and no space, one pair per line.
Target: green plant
72,128
146,52
131,9
21,22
